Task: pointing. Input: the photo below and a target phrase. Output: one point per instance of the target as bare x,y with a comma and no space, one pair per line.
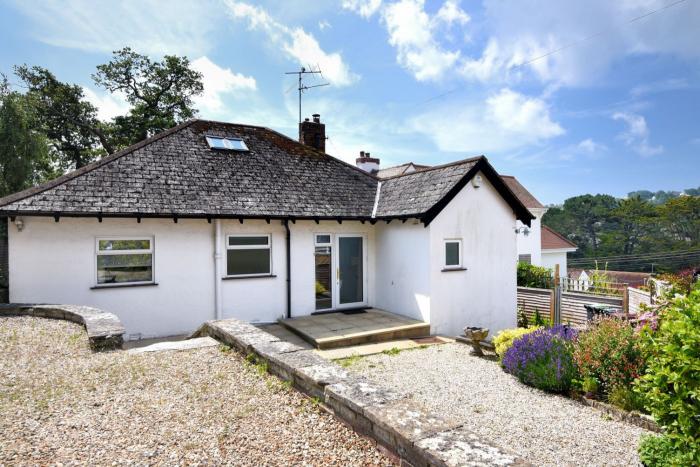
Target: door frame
336,266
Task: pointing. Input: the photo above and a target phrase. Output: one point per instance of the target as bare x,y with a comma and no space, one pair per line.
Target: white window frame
249,247
458,241
317,243
151,251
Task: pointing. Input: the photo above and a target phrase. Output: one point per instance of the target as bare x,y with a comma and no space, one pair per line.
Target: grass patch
349,361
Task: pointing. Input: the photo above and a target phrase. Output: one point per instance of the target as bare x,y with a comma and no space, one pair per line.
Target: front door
350,271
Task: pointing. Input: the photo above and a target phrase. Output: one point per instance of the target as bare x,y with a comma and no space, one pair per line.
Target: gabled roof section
402,169
521,192
176,173
553,240
426,192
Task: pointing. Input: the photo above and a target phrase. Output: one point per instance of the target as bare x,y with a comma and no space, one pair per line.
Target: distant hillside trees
604,226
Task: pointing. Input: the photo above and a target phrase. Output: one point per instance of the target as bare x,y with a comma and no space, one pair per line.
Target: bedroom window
453,254
123,260
248,255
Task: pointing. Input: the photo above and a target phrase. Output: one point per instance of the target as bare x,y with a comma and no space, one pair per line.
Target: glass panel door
350,270
324,277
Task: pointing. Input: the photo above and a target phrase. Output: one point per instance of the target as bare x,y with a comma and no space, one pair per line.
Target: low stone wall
635,418
403,425
104,330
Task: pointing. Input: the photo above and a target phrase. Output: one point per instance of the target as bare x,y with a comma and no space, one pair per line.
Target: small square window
527,259
248,255
323,239
124,260
453,254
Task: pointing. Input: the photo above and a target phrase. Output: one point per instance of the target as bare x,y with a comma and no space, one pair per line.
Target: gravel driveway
62,404
545,429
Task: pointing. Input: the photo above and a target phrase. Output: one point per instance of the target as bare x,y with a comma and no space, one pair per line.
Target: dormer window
231,144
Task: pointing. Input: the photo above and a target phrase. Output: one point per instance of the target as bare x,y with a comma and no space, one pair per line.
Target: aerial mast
302,87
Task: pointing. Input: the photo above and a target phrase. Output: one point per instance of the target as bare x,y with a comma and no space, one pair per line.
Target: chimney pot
317,118
367,163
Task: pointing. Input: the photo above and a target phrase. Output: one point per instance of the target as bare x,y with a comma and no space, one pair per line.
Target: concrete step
189,344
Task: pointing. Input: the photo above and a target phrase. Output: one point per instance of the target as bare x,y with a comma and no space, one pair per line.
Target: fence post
557,296
626,301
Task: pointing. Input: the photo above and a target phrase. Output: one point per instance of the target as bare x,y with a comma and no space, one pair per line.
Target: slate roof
553,240
399,170
176,174
521,192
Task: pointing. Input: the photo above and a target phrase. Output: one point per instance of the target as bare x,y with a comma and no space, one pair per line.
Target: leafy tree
23,150
681,218
65,117
634,219
160,93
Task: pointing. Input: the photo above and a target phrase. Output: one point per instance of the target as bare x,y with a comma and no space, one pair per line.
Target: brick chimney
313,133
367,163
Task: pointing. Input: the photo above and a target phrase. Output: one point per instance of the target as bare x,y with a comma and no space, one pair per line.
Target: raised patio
342,329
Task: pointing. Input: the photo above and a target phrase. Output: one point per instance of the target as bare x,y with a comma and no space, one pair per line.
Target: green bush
658,451
534,276
505,338
671,385
625,398
611,353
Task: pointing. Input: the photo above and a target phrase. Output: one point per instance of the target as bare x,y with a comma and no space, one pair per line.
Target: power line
565,46
639,255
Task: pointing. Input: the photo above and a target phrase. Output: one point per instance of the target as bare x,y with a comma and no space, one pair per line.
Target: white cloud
147,26
217,83
364,8
108,105
671,84
589,146
505,121
412,31
323,25
450,13
296,43
637,134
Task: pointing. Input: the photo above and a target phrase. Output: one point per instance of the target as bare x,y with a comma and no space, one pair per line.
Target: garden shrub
671,385
504,339
625,398
658,451
523,321
534,276
610,352
543,359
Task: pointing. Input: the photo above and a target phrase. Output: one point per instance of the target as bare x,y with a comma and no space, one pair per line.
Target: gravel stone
61,404
545,429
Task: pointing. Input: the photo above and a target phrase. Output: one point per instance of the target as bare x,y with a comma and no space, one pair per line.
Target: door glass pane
110,245
324,278
241,262
350,265
241,241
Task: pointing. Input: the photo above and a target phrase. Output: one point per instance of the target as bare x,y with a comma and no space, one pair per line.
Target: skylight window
233,144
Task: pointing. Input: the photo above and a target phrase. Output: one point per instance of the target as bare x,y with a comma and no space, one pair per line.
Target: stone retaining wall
104,330
403,425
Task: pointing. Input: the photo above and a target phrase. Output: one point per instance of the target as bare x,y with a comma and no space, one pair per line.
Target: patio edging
404,426
104,330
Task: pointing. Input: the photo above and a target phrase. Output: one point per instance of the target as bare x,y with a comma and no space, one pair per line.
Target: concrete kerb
403,425
104,330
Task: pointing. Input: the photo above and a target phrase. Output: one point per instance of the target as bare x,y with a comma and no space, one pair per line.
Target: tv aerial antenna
303,87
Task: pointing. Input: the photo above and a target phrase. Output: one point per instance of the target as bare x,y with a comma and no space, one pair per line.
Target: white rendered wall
532,243
256,299
303,264
484,294
554,257
54,262
403,269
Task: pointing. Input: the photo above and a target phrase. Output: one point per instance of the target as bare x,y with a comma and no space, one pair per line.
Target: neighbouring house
216,220
626,278
555,248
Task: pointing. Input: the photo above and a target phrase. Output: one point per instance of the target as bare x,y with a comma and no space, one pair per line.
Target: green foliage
590,385
392,351
23,150
534,276
522,318
160,93
671,384
611,353
680,283
625,398
504,339
659,451
539,321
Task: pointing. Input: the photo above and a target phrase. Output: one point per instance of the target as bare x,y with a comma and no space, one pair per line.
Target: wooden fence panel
531,300
573,310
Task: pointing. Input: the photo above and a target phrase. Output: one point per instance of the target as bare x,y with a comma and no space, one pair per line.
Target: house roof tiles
552,240
176,173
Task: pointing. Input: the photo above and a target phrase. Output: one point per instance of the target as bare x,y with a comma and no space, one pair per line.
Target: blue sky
422,81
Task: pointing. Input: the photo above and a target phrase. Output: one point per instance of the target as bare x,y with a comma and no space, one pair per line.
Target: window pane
323,239
216,143
110,245
114,269
351,270
452,253
239,241
239,262
235,144
323,285
525,259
